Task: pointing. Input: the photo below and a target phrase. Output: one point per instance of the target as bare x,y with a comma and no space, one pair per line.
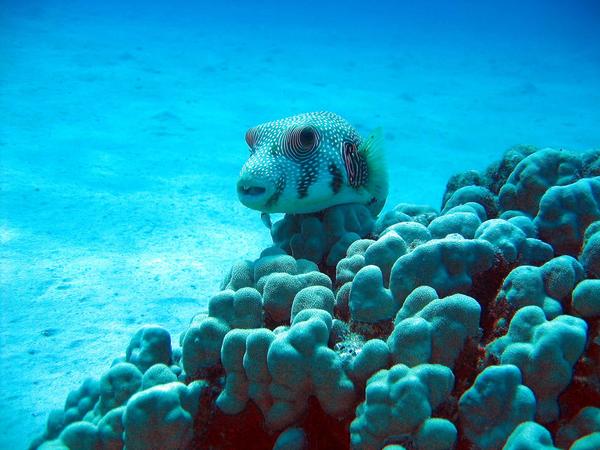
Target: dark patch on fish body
308,176
279,188
336,178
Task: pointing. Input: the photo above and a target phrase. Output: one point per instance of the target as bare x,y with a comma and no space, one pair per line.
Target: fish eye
300,142
251,138
308,137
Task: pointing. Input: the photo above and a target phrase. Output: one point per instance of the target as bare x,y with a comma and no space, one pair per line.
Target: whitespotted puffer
309,162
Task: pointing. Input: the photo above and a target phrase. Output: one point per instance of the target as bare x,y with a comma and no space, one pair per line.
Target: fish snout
253,192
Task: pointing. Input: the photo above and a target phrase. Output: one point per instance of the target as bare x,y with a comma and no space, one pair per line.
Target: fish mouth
253,193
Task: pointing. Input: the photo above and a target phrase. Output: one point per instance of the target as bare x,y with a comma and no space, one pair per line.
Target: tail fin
377,181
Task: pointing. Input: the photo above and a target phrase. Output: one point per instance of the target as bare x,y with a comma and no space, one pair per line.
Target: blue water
121,137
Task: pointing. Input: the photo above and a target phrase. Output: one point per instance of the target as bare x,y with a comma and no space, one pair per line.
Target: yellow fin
377,184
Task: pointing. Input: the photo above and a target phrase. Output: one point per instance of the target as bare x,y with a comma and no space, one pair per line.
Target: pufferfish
309,162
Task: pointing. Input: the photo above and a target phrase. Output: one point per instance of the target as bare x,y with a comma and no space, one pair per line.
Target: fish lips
253,192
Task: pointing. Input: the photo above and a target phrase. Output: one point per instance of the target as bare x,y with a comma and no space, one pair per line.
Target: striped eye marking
300,142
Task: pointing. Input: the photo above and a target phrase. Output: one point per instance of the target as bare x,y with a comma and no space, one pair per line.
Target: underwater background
122,135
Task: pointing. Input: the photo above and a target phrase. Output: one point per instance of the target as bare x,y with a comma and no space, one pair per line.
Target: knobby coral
472,327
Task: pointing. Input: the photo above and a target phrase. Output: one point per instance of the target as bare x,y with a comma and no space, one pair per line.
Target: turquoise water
122,130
